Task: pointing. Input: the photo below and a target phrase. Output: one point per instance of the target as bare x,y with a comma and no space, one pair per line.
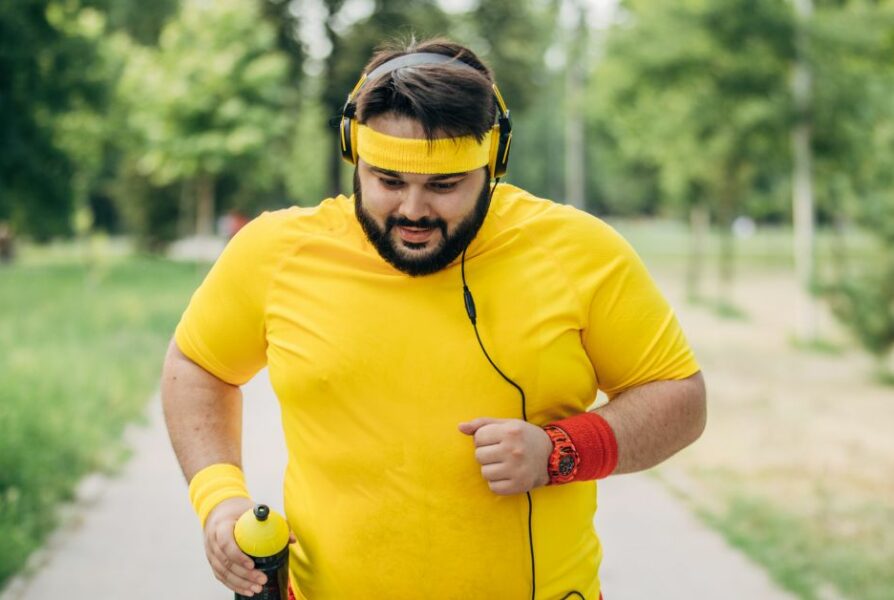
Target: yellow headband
407,155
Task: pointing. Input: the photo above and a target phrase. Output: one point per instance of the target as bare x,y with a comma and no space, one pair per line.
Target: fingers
489,434
505,487
496,472
232,567
502,481
470,427
226,576
486,455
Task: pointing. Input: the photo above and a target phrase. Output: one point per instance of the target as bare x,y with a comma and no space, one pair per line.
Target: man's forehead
397,125
399,175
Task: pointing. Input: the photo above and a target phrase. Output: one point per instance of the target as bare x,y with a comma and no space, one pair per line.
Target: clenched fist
513,453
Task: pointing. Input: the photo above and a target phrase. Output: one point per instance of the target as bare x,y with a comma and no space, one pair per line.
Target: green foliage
154,214
48,69
513,40
850,54
699,92
82,352
864,301
851,48
211,97
305,179
537,161
209,111
142,21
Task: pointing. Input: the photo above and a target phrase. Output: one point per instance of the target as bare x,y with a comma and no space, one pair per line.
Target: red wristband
595,443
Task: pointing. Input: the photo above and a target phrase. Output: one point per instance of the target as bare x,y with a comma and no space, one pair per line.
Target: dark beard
451,246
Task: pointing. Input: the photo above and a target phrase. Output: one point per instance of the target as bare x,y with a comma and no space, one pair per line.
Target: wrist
588,442
214,484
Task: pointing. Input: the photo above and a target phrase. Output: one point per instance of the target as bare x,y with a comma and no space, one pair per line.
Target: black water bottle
264,536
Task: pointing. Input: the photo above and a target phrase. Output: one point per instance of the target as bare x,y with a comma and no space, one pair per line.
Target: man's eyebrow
396,175
447,176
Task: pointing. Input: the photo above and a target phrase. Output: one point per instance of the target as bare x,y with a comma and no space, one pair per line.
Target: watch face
566,465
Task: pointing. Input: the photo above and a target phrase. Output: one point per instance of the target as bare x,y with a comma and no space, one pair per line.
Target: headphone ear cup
494,152
348,140
499,152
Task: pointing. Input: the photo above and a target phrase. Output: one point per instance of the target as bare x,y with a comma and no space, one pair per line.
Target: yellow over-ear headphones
500,140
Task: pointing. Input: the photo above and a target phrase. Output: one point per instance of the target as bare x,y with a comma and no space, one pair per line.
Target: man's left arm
650,423
640,358
654,421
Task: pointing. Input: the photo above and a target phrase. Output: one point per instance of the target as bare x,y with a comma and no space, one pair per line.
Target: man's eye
391,182
442,186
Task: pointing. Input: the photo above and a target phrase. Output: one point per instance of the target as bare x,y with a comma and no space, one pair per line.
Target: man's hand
513,454
230,564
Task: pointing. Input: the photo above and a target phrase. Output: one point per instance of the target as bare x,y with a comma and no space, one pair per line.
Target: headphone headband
414,59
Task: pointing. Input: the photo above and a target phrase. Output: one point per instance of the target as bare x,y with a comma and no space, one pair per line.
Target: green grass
817,346
81,350
845,547
666,242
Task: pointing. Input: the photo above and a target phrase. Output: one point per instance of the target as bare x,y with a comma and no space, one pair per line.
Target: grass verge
840,551
81,350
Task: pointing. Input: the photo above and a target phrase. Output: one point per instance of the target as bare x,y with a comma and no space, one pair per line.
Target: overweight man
436,341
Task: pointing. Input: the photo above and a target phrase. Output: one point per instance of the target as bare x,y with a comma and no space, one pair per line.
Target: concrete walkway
136,536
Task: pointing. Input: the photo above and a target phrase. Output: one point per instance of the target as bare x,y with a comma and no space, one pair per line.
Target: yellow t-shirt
374,369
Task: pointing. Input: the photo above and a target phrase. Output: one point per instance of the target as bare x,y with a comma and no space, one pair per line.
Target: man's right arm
204,419
203,414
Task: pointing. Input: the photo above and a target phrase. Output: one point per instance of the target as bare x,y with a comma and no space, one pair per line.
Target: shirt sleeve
632,335
223,327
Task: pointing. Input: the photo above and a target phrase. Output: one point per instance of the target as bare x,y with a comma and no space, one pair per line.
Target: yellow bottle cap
261,532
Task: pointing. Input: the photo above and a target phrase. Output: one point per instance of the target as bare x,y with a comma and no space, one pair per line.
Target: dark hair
445,99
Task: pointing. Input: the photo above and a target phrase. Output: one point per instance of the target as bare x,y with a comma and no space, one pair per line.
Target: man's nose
414,205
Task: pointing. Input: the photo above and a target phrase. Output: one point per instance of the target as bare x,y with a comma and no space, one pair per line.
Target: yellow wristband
214,484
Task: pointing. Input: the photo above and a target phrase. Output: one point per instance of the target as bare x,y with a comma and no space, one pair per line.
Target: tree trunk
699,221
726,265
204,205
186,210
802,181
729,191
575,192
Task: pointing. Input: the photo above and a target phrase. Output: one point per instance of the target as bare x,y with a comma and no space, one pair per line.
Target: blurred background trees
676,94
155,120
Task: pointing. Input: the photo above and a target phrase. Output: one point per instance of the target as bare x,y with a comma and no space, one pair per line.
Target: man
434,341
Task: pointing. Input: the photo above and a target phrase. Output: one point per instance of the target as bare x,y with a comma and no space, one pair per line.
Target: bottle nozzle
261,512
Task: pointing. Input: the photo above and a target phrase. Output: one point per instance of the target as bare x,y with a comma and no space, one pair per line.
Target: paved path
136,536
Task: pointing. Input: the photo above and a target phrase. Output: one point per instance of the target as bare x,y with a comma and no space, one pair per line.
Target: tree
699,91
48,69
142,21
803,213
211,100
851,47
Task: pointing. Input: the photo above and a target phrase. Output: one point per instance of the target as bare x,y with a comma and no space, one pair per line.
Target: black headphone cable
469,302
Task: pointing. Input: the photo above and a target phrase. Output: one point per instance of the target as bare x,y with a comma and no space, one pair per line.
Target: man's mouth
416,235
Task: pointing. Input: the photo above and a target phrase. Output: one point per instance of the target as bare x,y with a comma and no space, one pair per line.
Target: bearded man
436,342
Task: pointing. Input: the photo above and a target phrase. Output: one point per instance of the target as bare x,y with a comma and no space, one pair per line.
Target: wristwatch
564,459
